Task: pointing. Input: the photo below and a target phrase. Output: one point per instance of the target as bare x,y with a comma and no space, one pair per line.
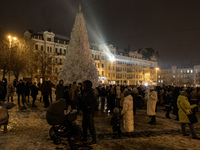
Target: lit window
191,71
161,81
188,71
181,71
158,76
173,76
158,81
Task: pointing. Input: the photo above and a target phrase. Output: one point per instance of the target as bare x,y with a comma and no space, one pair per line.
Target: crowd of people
120,101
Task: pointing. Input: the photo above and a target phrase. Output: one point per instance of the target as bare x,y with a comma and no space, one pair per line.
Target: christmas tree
79,64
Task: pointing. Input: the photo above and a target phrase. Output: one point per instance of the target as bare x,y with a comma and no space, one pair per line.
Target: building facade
114,66
179,76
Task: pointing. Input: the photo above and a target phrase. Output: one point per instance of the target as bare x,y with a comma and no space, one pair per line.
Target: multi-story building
179,76
114,66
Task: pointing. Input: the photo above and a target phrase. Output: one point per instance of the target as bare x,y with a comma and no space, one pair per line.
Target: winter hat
116,110
127,93
134,91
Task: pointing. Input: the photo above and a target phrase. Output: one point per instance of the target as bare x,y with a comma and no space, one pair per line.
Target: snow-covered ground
28,130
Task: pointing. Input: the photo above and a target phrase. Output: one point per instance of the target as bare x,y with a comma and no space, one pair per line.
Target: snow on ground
28,130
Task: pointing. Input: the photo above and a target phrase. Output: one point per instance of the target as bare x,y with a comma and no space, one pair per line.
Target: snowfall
29,130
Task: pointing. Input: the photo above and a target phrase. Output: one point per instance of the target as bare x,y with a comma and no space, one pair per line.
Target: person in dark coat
5,87
175,95
111,99
52,85
46,92
60,90
66,95
103,97
27,90
134,94
168,102
34,93
88,111
2,89
21,91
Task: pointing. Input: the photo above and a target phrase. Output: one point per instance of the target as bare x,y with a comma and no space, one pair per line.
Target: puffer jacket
184,108
127,112
151,103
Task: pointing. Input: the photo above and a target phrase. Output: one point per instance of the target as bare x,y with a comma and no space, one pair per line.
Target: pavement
29,130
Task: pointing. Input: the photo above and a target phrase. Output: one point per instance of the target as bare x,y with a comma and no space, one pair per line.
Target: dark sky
172,27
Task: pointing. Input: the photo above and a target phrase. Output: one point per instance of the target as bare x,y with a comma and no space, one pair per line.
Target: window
158,76
102,65
56,50
102,73
191,71
60,51
49,39
56,60
188,71
36,47
42,47
98,65
56,70
102,57
50,49
47,48
64,52
109,74
161,81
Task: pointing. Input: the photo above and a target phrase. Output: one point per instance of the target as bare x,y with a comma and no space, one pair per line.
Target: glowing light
157,68
145,84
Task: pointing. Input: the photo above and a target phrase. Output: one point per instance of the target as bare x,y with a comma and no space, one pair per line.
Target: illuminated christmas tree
79,64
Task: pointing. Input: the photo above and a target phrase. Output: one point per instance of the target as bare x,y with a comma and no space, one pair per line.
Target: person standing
127,112
59,90
10,91
88,111
27,90
134,94
74,90
20,91
184,108
1,91
34,93
103,98
152,98
46,92
118,96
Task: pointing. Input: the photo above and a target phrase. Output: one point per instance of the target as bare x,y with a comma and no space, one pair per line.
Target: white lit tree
79,64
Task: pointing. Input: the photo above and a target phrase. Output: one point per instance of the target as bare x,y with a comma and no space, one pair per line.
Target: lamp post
157,75
10,46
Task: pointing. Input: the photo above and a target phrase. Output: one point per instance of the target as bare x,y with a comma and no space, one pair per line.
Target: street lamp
10,46
157,75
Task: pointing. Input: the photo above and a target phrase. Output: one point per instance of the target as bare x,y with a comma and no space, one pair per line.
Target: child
115,122
4,118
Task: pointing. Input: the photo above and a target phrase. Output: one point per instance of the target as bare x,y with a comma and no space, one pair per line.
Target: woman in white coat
152,98
127,112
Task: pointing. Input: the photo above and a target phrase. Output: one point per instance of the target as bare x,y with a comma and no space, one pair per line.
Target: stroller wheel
52,133
57,140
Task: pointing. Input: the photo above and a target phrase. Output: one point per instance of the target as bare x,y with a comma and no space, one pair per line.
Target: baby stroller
62,124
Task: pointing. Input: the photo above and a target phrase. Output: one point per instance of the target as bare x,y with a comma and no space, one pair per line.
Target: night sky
172,27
